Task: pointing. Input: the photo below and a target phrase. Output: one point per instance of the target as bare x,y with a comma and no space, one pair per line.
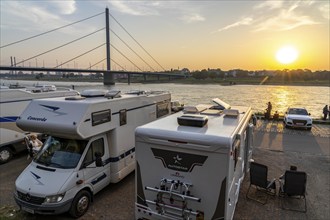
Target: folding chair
258,178
294,187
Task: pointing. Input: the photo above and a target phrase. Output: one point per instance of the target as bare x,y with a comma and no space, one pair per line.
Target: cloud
135,7
325,11
281,16
244,21
181,10
285,19
284,22
65,7
269,5
192,18
33,15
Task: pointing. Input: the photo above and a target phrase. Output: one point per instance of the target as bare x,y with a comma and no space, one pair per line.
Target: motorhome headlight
54,198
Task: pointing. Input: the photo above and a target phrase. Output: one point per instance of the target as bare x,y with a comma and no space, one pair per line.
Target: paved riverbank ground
275,146
279,148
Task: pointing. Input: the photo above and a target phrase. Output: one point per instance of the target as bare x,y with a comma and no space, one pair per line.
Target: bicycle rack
172,199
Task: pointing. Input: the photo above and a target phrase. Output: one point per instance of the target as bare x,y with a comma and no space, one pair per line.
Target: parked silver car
298,118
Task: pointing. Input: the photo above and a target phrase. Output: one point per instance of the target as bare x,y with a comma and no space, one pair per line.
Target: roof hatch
221,105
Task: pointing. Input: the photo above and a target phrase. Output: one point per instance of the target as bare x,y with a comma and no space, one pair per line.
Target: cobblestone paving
319,130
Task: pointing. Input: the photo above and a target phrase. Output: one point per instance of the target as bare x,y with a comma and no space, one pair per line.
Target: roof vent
195,109
77,97
94,93
231,113
221,105
136,92
113,94
192,120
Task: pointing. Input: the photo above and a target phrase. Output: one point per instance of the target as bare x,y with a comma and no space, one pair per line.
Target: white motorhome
91,143
12,104
190,165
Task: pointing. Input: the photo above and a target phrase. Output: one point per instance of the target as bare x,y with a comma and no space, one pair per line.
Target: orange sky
176,34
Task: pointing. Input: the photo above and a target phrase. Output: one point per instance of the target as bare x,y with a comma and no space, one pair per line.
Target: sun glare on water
287,55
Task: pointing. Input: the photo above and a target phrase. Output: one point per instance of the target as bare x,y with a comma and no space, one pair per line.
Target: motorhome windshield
61,153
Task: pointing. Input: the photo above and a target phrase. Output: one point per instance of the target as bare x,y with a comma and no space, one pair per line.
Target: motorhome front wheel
80,204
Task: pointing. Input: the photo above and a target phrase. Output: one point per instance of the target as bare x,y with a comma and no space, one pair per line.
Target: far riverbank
151,79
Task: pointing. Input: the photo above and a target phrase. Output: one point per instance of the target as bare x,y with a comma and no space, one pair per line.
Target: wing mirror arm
98,160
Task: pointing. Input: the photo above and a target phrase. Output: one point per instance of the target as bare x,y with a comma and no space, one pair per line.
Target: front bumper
298,123
45,209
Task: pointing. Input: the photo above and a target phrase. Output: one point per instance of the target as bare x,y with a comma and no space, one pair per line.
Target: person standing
269,110
325,112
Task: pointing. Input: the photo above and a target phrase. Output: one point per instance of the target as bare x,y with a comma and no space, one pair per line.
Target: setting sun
287,55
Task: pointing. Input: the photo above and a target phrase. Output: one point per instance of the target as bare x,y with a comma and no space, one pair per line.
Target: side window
101,117
123,117
96,146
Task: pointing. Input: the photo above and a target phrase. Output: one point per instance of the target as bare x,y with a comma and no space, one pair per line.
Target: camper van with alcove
191,164
90,144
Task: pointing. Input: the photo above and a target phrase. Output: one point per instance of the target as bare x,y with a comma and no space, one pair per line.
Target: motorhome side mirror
98,160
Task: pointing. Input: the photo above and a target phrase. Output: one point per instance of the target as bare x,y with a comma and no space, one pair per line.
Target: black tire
80,204
5,154
308,129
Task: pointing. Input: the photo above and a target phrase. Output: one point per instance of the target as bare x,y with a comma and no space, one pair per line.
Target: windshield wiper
56,164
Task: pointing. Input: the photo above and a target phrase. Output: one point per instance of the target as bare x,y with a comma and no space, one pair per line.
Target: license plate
300,124
27,210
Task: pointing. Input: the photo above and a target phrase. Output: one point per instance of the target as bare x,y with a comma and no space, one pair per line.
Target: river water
313,98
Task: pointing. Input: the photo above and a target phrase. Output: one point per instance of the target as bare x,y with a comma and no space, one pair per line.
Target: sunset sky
250,35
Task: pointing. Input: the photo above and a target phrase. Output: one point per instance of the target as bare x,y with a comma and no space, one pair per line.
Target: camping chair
258,178
294,187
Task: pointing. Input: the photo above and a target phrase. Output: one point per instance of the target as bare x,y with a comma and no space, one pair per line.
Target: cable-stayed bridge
135,58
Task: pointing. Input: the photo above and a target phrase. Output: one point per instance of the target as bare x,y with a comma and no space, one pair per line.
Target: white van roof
219,131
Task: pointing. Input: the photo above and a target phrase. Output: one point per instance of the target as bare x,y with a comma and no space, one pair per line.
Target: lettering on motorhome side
179,161
36,119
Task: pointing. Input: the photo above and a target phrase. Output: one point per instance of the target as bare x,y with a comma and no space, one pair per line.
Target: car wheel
80,204
5,154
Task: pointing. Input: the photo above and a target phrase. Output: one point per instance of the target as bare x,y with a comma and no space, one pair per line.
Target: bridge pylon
108,78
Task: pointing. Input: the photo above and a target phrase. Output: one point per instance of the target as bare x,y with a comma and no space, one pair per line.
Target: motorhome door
98,177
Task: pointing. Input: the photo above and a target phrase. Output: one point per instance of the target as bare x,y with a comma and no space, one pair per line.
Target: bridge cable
16,42
80,55
126,57
104,60
119,65
136,41
55,48
132,50
90,66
